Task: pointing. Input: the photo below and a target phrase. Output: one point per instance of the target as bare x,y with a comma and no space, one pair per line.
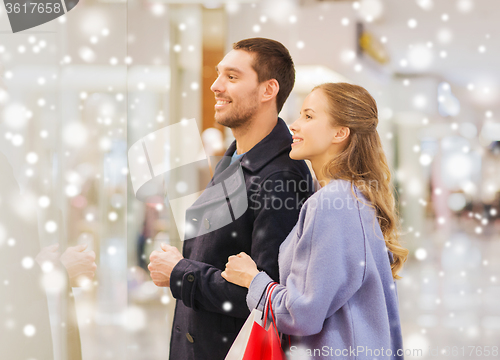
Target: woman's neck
320,162
318,168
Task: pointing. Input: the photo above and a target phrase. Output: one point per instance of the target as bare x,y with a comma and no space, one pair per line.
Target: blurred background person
33,278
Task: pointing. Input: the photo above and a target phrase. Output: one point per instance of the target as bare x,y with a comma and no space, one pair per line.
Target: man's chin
227,121
221,121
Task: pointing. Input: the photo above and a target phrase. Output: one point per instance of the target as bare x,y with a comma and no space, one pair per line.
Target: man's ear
272,87
341,134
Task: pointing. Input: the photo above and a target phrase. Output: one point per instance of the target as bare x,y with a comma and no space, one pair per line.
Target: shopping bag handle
269,307
272,283
263,293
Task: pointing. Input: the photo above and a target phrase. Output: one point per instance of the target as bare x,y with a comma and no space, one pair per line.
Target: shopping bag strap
266,300
269,306
263,293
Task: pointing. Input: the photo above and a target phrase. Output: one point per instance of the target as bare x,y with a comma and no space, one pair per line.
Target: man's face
236,89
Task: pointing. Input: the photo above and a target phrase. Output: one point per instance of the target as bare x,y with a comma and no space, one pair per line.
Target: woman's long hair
363,161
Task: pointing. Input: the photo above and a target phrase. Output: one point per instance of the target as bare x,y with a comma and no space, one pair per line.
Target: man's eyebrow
229,69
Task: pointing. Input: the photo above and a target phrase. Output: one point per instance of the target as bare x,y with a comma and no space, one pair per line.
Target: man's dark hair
271,61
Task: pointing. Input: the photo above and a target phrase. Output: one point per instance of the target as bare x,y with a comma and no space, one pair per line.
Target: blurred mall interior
78,92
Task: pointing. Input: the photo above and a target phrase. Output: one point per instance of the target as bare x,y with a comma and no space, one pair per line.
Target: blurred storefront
78,92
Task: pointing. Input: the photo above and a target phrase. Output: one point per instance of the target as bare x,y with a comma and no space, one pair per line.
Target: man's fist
80,265
162,263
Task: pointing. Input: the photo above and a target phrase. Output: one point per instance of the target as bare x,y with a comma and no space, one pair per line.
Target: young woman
337,294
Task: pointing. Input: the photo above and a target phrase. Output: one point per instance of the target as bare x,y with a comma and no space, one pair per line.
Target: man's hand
162,263
80,265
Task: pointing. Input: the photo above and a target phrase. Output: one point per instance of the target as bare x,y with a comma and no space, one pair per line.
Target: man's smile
221,103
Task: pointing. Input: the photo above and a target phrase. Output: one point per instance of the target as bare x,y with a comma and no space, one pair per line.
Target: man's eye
231,77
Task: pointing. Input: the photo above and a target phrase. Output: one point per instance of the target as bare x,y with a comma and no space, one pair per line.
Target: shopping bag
254,342
270,347
263,345
251,328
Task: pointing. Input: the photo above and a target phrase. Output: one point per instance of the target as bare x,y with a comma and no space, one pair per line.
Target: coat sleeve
275,206
327,267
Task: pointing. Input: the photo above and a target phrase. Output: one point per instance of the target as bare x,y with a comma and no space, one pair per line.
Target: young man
254,81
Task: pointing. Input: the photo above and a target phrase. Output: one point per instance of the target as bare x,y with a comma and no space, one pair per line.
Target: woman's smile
296,141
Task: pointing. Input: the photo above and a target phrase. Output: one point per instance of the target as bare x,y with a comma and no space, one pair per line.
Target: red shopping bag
254,342
252,327
262,344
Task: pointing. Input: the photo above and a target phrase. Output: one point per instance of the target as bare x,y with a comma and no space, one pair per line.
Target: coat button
207,224
190,277
190,338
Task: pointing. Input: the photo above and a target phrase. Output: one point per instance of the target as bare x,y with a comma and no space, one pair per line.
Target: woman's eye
308,117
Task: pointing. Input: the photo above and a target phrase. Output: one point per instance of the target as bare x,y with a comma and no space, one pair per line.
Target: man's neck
249,136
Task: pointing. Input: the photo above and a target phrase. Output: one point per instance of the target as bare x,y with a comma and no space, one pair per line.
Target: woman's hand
240,270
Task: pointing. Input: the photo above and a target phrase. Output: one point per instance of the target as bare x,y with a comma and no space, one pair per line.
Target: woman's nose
295,126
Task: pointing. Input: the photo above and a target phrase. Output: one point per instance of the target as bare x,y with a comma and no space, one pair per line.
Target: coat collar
278,141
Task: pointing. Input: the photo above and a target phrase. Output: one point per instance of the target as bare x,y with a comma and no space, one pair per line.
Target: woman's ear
341,134
272,87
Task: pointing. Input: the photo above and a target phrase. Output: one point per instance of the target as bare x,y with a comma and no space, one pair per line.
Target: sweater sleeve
327,265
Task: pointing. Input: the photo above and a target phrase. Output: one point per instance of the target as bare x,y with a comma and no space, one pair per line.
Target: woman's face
313,134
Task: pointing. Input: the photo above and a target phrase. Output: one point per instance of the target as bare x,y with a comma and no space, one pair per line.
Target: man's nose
217,86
